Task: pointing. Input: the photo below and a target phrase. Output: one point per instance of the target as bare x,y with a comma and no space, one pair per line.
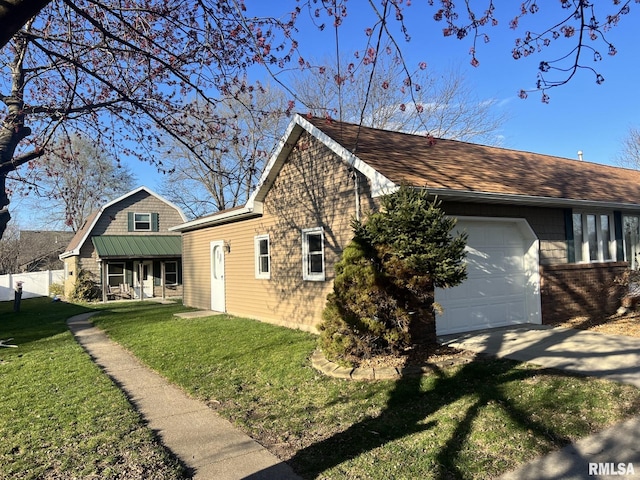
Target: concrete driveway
615,357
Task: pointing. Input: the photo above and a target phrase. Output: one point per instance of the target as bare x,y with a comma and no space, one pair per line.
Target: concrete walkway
207,444
606,454
214,449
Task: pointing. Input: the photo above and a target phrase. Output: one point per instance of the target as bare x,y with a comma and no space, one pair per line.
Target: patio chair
125,290
113,293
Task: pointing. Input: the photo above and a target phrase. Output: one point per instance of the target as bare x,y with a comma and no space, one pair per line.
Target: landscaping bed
625,324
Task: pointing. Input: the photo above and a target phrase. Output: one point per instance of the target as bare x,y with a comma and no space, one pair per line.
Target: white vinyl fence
34,284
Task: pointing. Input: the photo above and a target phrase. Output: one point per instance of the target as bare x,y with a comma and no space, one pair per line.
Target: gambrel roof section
84,233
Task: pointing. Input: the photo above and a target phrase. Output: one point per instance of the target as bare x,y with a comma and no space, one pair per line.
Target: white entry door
217,276
143,279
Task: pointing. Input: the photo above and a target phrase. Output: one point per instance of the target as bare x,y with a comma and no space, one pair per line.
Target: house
127,247
40,250
547,236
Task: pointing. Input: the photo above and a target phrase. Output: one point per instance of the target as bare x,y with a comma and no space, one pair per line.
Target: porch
139,267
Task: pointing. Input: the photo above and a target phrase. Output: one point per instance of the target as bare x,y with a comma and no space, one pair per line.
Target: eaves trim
505,198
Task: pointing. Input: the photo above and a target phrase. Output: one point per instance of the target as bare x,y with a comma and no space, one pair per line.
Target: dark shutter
617,229
130,221
157,273
568,228
155,222
128,273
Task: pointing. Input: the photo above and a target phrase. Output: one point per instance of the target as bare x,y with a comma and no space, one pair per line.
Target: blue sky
580,116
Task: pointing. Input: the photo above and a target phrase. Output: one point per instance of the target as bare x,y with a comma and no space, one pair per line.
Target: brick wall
573,290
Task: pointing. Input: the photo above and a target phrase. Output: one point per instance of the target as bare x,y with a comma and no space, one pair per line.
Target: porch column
105,279
140,280
162,282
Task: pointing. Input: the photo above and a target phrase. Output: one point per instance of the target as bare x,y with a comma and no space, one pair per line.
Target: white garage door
502,286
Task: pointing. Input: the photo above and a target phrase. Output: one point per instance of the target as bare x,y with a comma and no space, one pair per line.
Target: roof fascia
461,195
216,218
275,163
380,185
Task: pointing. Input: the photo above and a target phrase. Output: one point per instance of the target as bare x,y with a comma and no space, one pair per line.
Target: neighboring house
128,243
547,235
39,249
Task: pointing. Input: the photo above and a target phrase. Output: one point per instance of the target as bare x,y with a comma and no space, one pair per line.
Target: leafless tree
126,74
629,155
225,172
445,105
74,178
118,70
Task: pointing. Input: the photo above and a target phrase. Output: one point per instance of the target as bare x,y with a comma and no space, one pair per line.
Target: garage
503,280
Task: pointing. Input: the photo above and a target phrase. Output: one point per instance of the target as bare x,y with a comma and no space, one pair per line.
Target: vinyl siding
313,189
113,221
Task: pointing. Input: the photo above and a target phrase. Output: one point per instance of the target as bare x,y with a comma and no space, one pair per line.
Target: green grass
473,421
60,416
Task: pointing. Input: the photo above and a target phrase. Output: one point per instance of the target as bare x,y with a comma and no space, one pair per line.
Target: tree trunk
4,202
13,129
423,327
14,14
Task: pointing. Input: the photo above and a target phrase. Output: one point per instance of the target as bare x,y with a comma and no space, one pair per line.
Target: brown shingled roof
461,166
80,234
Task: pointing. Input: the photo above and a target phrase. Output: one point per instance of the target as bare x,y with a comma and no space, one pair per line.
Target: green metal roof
137,246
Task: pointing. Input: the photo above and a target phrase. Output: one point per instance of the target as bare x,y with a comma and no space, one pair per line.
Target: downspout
356,187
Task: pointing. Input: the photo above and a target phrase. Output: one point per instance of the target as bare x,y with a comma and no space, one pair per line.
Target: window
592,236
142,222
631,236
313,254
171,273
263,256
115,274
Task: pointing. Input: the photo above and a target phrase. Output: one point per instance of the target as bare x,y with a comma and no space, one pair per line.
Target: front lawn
60,416
473,421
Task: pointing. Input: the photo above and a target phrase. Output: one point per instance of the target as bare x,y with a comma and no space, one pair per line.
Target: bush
86,288
362,319
383,294
56,289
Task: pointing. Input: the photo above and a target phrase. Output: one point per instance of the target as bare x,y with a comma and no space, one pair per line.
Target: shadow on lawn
408,407
37,319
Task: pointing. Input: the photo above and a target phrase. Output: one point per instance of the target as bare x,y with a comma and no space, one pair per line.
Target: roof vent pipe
580,155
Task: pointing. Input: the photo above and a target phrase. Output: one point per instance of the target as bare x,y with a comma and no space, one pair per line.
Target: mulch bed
625,324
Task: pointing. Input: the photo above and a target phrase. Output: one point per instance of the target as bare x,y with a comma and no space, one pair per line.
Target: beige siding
313,189
71,273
